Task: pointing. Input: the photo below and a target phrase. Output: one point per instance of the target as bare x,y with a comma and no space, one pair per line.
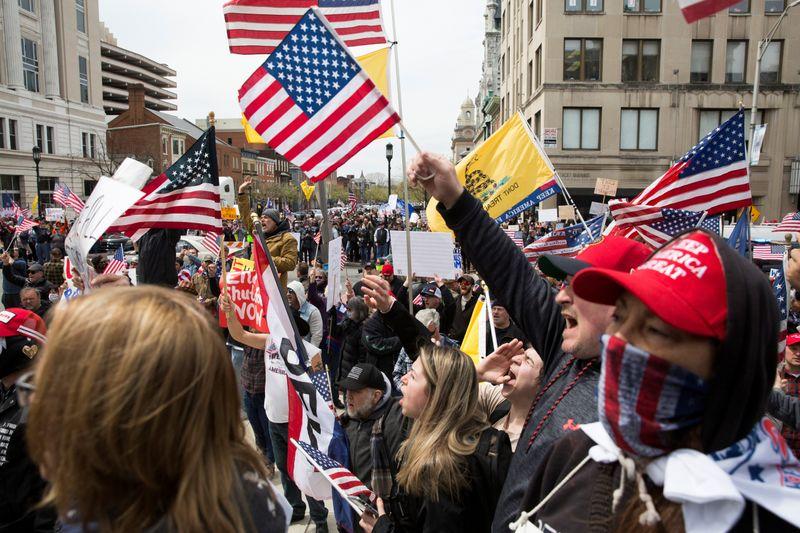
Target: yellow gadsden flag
474,344
508,173
376,65
308,190
250,134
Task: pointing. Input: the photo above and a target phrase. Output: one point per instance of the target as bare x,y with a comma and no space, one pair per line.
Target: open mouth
570,320
512,377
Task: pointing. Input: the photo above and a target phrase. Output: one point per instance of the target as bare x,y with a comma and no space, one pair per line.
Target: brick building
159,139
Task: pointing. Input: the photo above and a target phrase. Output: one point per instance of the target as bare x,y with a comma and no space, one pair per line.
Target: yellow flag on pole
250,134
472,338
755,214
308,190
35,206
376,65
508,173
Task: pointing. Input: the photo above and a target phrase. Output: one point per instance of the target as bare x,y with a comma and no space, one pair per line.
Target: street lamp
389,154
37,158
763,44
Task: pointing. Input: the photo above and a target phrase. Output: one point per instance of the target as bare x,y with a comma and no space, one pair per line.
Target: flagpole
489,317
403,135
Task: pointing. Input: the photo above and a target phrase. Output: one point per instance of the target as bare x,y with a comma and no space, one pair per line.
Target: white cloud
440,56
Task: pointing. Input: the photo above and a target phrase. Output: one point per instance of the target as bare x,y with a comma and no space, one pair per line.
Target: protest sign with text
243,291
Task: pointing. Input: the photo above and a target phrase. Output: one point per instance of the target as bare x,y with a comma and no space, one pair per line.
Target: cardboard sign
431,254
242,288
605,187
598,208
548,215
54,214
229,213
566,212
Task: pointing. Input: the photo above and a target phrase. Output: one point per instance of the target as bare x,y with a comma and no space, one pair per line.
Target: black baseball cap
361,376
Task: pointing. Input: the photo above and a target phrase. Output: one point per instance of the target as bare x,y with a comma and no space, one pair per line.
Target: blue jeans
364,250
254,407
42,252
280,442
383,250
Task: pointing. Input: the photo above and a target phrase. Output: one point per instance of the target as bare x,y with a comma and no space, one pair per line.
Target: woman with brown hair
136,420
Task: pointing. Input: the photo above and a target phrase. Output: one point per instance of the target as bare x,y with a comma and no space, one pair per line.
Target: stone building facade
464,134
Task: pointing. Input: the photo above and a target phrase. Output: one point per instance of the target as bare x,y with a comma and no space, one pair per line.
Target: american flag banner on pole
515,236
24,224
656,226
769,252
697,9
117,263
20,211
312,102
781,291
343,260
211,242
789,224
186,196
64,196
713,176
258,26
351,201
317,237
565,241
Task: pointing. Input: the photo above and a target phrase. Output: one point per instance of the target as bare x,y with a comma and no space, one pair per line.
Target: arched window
469,114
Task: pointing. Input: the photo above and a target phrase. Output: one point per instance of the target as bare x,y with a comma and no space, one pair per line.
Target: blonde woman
135,421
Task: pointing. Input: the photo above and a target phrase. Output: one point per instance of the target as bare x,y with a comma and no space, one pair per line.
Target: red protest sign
242,288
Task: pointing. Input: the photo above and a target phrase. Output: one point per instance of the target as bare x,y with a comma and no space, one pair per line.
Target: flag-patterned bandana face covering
646,403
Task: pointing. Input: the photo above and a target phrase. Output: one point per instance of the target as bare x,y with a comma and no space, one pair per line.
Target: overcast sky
440,58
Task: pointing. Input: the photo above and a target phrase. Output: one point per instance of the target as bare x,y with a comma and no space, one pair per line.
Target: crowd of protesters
625,389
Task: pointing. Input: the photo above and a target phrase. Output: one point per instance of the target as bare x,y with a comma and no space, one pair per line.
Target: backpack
493,456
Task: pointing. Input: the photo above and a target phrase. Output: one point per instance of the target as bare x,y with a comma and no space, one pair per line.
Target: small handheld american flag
24,224
351,201
343,481
117,263
66,198
211,243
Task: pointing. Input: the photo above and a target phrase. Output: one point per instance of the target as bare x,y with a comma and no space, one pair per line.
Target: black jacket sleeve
784,407
529,299
13,277
411,332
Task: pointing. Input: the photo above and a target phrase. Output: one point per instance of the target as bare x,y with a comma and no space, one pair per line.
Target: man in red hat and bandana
789,373
22,335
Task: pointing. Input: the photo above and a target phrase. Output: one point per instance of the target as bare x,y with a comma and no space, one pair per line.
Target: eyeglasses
25,389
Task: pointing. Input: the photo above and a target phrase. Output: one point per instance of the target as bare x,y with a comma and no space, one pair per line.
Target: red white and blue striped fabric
343,479
117,263
211,243
769,252
790,223
258,26
24,224
515,236
64,196
781,291
312,102
697,9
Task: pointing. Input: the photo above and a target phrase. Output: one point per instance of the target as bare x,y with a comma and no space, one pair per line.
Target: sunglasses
25,389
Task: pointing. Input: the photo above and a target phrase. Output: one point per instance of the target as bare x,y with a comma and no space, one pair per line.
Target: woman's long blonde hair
434,454
136,415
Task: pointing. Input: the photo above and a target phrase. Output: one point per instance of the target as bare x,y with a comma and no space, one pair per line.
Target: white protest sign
297,238
606,187
334,271
758,139
431,254
392,203
133,173
598,208
548,215
566,212
108,201
54,214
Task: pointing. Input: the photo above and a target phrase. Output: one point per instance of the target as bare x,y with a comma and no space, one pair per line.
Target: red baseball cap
388,269
21,322
615,253
792,339
683,284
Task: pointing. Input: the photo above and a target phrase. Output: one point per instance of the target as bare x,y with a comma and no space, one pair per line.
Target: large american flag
258,26
696,9
769,252
64,196
781,291
713,176
117,263
186,196
790,223
565,241
515,236
656,226
341,478
312,102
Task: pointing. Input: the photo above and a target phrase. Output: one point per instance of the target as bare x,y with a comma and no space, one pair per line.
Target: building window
583,59
80,14
88,145
640,60
177,149
51,140
40,136
583,6
537,124
10,185
771,63
742,8
539,11
581,129
774,6
92,145
538,59
88,187
2,133
83,76
530,20
638,129
701,61
642,6
711,118
46,188
164,145
530,78
27,5
30,65
85,145
12,135
735,61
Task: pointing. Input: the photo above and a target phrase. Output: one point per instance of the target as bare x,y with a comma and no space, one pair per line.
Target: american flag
696,9
186,196
344,481
343,260
312,102
515,236
20,211
24,224
351,201
656,226
790,223
117,263
713,176
768,252
565,241
418,300
258,26
64,196
184,275
782,297
211,243
317,237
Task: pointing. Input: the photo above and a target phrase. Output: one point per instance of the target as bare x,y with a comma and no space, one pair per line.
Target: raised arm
254,340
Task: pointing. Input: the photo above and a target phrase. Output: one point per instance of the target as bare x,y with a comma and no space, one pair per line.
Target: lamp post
389,155
37,158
